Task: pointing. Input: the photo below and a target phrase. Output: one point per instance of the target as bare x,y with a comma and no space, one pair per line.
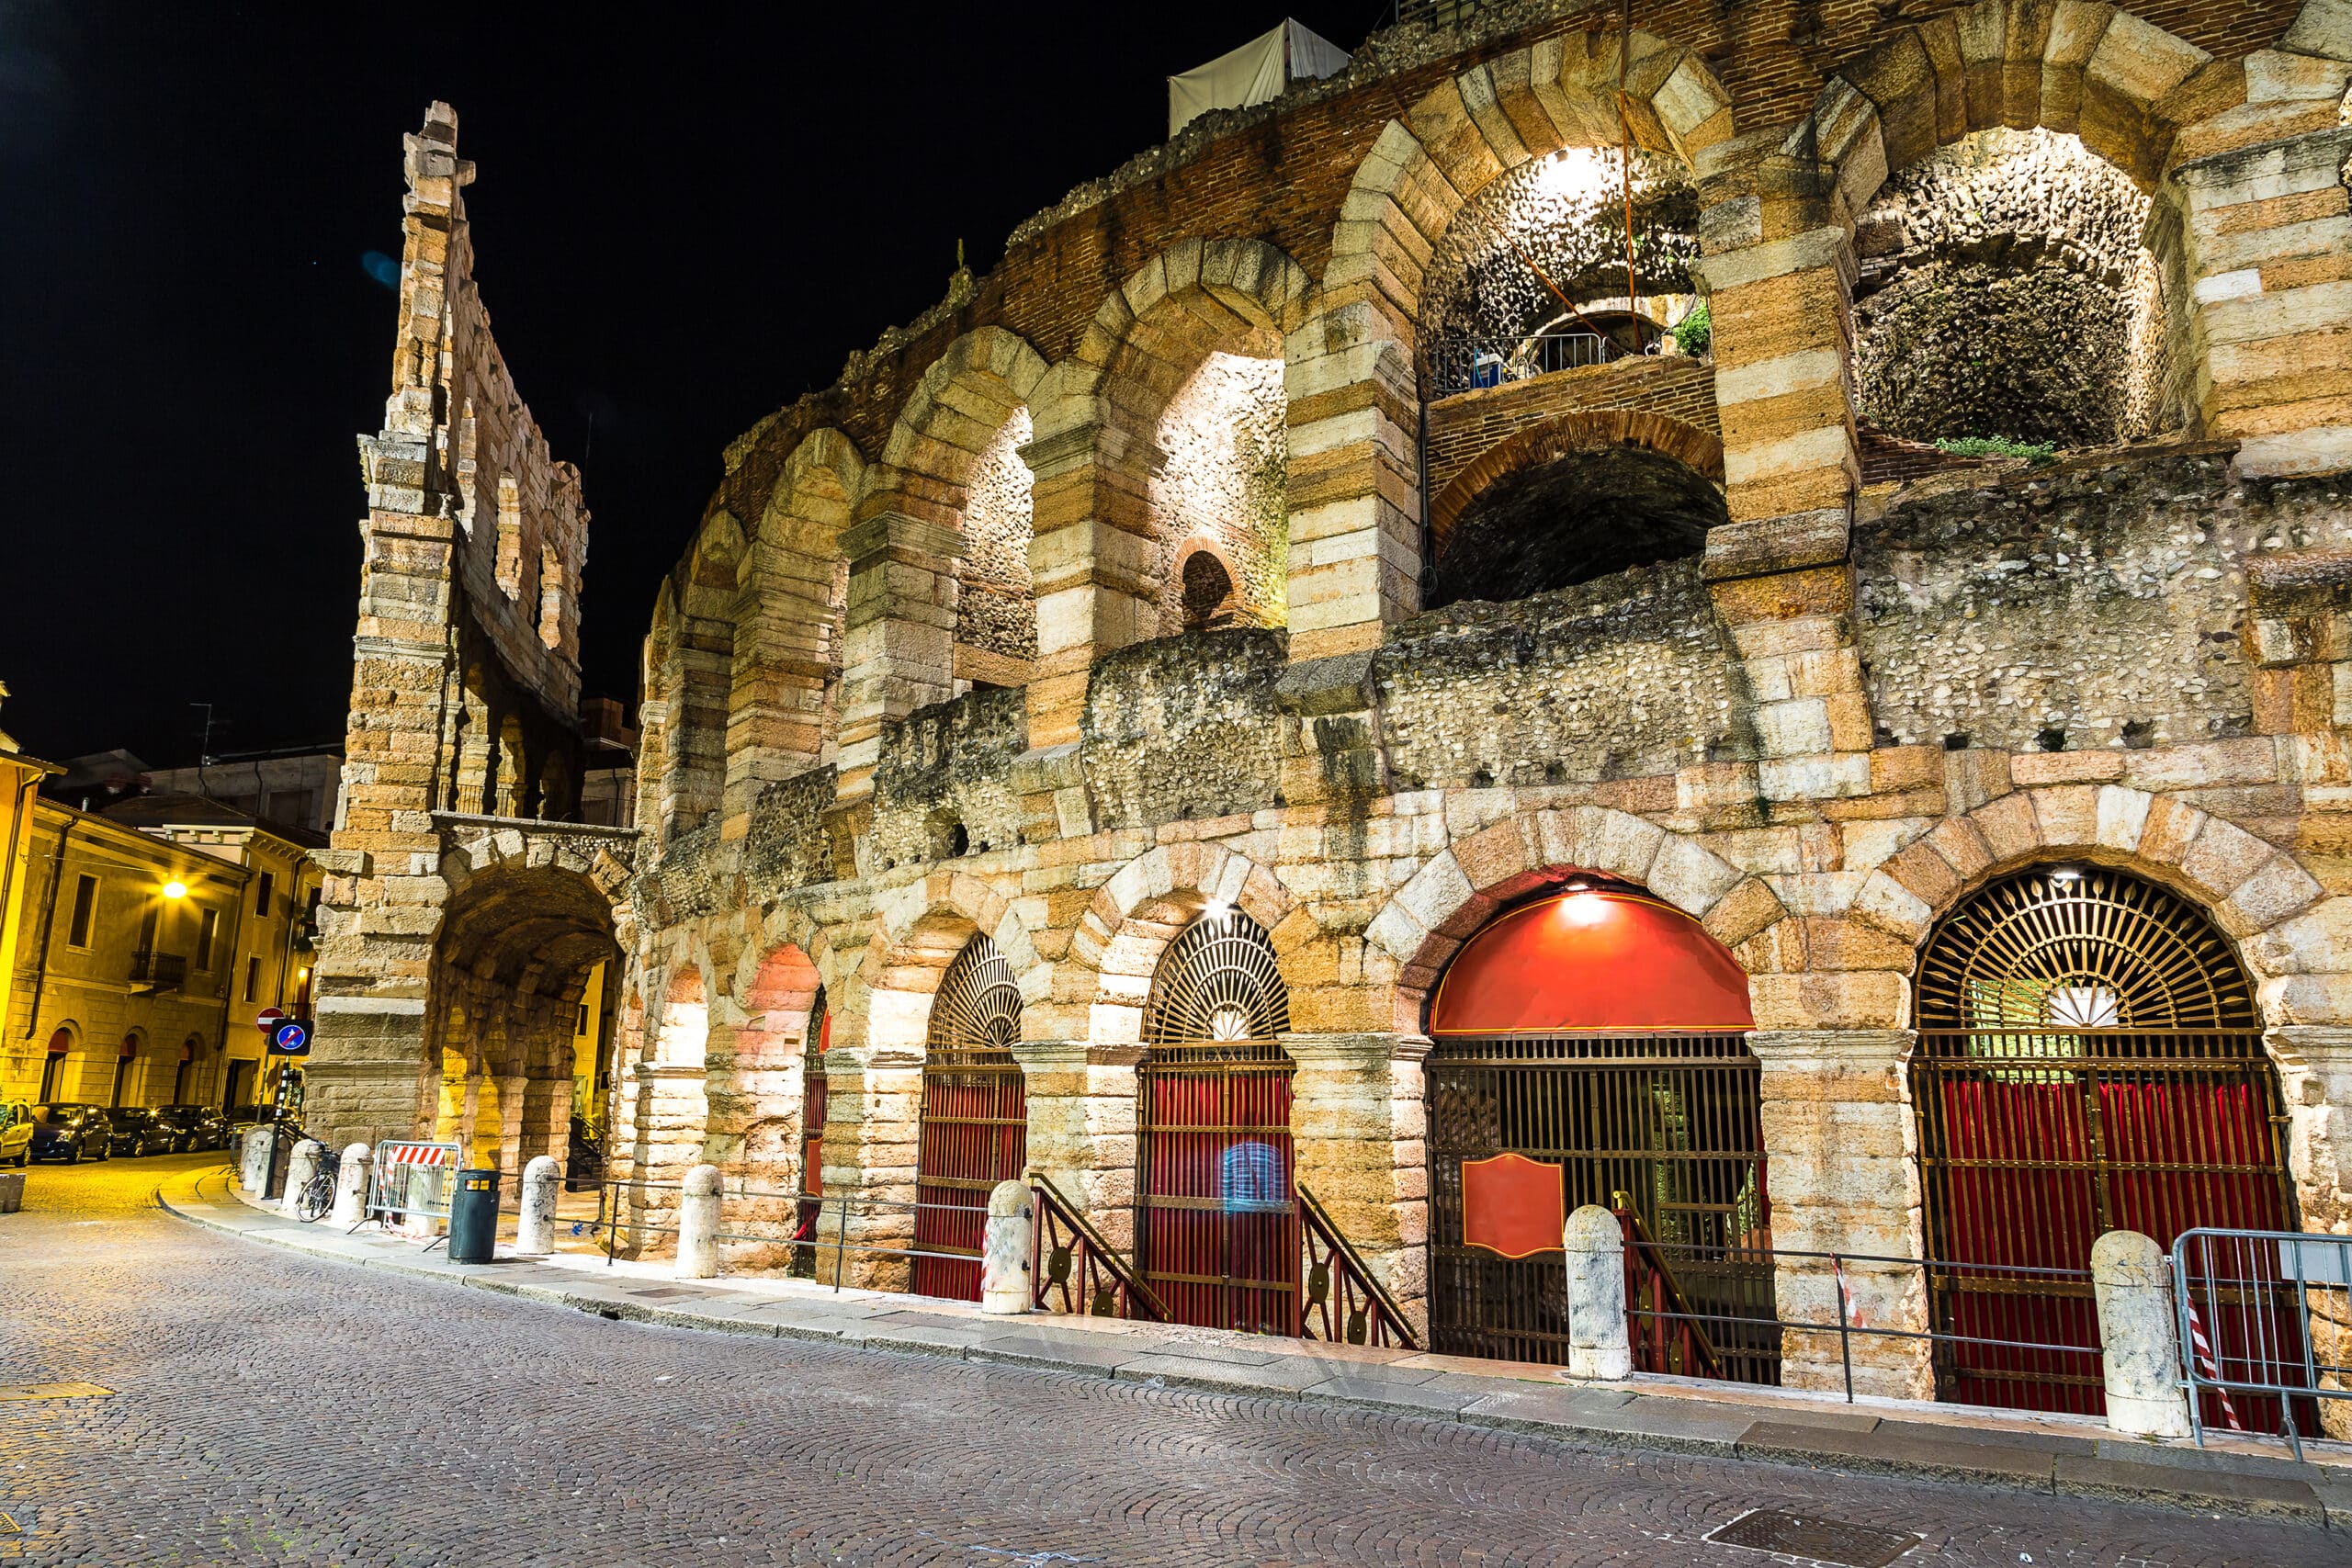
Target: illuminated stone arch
1100,560
790,585
1427,164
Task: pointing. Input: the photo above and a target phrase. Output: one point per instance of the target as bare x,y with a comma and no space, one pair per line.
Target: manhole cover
1823,1541
661,1291
52,1391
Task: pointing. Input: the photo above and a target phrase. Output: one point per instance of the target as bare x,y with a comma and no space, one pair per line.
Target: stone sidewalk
2055,1455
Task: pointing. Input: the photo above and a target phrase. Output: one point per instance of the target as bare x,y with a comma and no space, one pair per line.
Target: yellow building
148,939
20,778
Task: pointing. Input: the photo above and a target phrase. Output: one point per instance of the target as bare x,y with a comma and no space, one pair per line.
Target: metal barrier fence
1467,364
1995,1359
816,1249
2264,1320
411,1183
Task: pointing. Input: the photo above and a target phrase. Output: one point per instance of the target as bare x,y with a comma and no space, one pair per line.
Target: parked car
70,1133
194,1127
16,1132
138,1132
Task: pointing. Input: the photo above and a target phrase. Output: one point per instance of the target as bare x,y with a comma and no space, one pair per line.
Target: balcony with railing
1471,364
153,971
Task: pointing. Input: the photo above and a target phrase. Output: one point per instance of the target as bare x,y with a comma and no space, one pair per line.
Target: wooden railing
1071,1253
1343,1303
1664,1329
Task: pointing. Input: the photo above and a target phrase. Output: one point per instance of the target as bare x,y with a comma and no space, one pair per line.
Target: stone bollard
2132,1282
303,1165
698,1224
252,1162
351,1186
1600,1350
1005,1282
534,1232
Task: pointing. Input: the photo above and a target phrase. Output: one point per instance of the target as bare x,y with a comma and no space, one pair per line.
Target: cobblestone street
268,1408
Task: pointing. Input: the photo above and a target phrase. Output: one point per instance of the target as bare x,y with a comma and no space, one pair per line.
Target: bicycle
317,1199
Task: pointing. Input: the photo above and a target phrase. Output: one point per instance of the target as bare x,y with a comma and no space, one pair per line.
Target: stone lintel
1318,687
1374,1048
1769,545
1831,1047
1041,1056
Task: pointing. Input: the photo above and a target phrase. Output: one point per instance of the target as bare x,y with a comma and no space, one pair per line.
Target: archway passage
974,1128
812,1135
1216,1231
1602,1032
2091,1059
1568,513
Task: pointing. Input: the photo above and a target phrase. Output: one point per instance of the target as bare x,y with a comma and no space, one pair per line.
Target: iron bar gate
975,1122
1217,1216
2089,1059
1669,1120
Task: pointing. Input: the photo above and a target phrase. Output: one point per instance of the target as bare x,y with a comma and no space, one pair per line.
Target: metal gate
812,1134
1669,1120
1216,1223
2089,1060
974,1128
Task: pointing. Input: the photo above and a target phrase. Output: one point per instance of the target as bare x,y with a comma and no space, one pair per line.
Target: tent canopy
1257,73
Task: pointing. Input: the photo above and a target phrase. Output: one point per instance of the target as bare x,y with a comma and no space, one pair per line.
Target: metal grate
1671,1121
812,1133
2089,1063
974,1127
1817,1539
1217,1227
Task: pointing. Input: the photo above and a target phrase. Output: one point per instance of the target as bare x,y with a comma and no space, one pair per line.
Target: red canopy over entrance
1604,959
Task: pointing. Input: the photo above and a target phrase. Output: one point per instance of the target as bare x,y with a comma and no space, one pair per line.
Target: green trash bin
473,1217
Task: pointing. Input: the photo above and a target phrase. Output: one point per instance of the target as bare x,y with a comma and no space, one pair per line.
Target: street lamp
175,888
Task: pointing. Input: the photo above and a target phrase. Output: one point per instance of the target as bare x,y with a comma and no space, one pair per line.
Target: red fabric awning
1606,960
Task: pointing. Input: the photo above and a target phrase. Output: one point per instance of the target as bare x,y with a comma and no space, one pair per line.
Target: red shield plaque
1512,1206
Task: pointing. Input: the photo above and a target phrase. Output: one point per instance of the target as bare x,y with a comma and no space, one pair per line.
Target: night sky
685,218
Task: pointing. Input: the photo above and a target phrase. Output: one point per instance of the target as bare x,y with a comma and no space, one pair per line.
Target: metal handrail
1087,1254
1375,1316
809,1232
1640,1245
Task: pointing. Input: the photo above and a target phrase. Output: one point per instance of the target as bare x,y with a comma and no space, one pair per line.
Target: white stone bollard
351,1186
1005,1282
698,1224
252,1162
2132,1282
534,1232
1600,1349
300,1166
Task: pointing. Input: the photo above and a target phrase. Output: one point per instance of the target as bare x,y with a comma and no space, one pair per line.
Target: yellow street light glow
175,888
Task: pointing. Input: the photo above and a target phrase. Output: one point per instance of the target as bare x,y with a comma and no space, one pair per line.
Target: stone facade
465,908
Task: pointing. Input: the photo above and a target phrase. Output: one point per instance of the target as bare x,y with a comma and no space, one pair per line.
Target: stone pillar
1008,1277
2315,1062
698,1224
2259,228
252,1162
1091,557
351,1186
898,653
1354,496
2141,1355
535,1230
1843,1174
1357,1123
1081,1096
873,1110
775,712
1601,1346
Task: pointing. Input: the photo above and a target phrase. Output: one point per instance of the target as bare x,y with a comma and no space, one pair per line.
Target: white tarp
1257,71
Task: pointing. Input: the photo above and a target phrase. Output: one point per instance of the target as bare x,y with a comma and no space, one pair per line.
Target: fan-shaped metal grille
1217,982
977,1006
2076,948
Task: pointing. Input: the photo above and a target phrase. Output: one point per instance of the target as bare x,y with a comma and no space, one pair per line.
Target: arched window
52,1066
975,1125
2091,1059
1217,1228
1600,1032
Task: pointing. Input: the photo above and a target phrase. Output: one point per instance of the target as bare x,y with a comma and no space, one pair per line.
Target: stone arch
697,676
790,587
653,707
1427,164
1135,914
919,930
1099,562
1446,902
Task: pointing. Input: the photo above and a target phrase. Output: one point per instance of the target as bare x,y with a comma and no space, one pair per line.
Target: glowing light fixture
1217,910
175,888
2067,874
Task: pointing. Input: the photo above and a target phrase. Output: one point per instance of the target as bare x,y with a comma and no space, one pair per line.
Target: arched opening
54,1064
2006,300
974,1131
996,613
1568,516
1530,277
1216,1232
191,1053
2091,1059
812,1135
1599,1031
122,1064
1223,442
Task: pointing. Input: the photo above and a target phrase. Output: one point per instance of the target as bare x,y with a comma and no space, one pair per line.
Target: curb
1613,1416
